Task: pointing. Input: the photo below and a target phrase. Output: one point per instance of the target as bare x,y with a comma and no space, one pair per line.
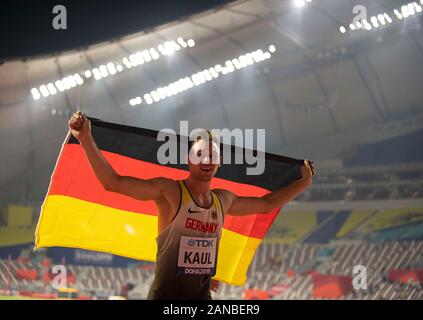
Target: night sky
26,25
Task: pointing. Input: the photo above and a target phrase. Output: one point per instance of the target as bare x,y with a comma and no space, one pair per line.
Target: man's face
204,159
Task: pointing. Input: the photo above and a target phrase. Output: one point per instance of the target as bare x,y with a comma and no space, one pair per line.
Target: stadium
326,84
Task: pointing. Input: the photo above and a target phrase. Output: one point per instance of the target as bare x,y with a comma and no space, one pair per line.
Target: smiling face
204,159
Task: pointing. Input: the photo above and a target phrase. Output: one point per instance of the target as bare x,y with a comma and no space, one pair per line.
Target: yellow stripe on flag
236,252
74,223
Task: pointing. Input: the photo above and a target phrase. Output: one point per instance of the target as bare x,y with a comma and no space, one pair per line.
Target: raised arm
80,127
239,206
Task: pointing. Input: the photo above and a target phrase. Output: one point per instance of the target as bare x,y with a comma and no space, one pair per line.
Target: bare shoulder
223,193
170,192
164,184
226,197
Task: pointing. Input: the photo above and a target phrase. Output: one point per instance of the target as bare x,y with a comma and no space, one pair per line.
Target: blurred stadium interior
350,100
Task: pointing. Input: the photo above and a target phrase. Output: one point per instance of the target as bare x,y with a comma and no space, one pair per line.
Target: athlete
190,215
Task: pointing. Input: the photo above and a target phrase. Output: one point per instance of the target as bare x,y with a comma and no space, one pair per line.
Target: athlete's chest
195,220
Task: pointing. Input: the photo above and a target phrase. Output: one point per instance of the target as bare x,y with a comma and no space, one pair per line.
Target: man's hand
240,206
307,170
80,126
214,285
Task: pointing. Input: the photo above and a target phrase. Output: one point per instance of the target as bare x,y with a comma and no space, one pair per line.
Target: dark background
26,25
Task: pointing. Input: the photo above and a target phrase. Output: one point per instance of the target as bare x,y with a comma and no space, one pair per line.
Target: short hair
199,134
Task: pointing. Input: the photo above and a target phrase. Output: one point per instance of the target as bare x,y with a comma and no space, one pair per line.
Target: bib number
197,255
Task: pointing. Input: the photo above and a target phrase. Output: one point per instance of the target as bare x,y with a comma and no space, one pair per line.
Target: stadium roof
317,84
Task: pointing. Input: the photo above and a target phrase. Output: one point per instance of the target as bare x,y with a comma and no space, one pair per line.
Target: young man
190,215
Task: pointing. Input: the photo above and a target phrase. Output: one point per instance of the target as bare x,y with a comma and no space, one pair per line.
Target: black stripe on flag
142,144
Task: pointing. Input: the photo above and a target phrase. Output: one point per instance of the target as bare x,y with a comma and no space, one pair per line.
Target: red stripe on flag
74,177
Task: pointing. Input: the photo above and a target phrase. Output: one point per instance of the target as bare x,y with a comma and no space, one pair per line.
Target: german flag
79,213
